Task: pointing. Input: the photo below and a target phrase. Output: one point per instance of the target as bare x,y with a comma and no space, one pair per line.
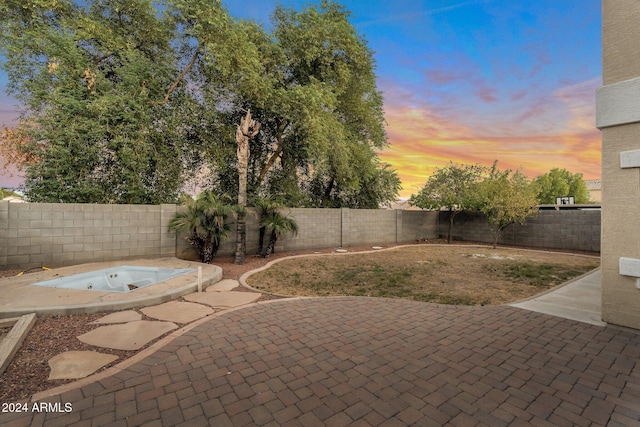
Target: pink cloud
518,95
437,76
487,94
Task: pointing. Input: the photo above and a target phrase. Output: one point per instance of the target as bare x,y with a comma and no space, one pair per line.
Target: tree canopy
450,187
320,112
125,100
560,183
505,197
91,81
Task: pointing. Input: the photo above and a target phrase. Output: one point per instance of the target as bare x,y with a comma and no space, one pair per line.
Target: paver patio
363,361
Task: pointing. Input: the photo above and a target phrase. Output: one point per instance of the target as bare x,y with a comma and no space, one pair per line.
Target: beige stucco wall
620,187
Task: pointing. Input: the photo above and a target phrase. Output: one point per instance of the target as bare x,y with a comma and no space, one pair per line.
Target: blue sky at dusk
473,81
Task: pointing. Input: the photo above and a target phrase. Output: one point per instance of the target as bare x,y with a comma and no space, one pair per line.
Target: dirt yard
449,275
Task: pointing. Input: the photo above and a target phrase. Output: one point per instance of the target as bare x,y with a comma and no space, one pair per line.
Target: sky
471,81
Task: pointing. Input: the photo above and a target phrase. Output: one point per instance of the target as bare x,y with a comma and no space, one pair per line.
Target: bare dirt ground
27,374
462,275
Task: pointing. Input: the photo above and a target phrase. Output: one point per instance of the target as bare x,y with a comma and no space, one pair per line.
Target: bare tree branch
175,84
281,128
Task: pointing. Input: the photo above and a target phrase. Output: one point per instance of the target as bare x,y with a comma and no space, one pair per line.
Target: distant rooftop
593,184
403,204
14,199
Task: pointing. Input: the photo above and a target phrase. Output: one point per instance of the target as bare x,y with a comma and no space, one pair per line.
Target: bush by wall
333,228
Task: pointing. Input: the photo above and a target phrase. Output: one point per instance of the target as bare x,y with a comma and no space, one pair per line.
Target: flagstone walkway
126,330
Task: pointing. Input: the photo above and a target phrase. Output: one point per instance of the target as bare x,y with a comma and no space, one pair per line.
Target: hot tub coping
17,298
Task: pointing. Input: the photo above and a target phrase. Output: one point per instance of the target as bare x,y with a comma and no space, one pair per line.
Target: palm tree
278,224
204,220
265,206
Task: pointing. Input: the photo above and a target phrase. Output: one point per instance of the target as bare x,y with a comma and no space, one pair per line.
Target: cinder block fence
57,234
569,229
334,228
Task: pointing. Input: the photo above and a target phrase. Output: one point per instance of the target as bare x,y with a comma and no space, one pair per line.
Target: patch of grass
541,275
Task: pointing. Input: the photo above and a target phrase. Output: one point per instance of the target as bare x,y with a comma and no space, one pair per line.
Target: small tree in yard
278,224
204,220
451,188
506,198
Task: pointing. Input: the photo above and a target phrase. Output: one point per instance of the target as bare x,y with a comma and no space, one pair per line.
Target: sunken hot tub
124,278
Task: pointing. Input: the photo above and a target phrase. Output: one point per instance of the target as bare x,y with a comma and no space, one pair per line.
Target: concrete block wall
4,233
550,229
56,234
417,225
318,228
369,227
50,234
333,228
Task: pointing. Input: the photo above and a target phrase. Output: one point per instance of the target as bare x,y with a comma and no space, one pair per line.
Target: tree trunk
261,242
452,214
282,125
241,240
496,235
207,251
271,247
246,130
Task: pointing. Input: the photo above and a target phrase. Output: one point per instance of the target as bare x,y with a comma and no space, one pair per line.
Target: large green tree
320,111
452,188
97,85
125,99
560,183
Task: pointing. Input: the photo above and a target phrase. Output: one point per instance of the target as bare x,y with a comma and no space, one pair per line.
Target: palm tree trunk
271,246
246,130
207,252
261,242
241,240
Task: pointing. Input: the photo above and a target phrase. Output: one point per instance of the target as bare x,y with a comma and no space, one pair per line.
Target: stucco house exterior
618,117
594,187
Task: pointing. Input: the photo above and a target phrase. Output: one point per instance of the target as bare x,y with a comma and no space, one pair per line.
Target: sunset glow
421,140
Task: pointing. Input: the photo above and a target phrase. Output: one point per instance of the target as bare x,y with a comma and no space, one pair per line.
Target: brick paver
364,361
